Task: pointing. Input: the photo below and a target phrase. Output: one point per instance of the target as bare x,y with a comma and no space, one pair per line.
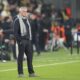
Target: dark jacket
17,31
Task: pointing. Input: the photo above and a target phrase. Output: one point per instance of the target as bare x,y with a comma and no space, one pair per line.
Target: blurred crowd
51,28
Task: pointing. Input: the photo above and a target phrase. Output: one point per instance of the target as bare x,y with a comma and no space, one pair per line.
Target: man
22,32
35,32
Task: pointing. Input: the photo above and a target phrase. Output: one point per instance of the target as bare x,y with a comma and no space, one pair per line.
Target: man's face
23,11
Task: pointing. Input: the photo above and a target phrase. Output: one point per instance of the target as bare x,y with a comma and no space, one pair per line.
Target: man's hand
45,30
1,32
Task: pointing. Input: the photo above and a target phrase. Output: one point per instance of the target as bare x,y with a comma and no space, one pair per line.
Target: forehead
22,9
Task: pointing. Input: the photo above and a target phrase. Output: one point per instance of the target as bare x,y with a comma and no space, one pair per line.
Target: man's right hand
1,32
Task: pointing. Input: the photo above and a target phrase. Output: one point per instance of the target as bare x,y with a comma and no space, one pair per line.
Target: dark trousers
35,41
69,39
25,46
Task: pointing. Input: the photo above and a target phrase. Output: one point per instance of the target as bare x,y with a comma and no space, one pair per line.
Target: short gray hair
23,9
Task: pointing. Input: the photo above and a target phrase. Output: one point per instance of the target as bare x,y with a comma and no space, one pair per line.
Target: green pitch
48,66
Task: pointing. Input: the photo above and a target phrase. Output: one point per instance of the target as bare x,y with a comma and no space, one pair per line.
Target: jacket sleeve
16,30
